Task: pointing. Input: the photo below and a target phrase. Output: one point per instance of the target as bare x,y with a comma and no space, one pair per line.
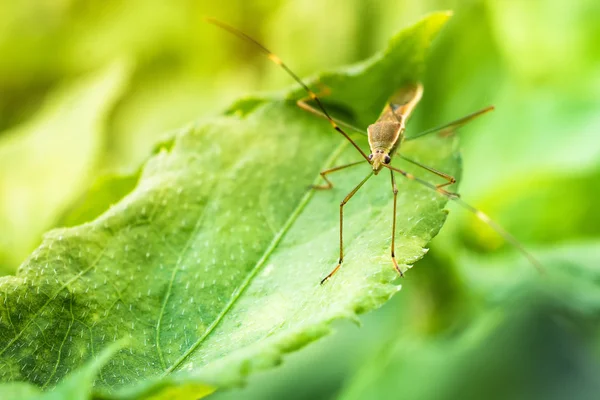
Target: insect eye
387,160
370,157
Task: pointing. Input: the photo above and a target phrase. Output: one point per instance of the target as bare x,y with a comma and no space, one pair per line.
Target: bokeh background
473,320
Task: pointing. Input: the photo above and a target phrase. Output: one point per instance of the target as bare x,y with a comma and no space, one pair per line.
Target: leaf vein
52,298
272,246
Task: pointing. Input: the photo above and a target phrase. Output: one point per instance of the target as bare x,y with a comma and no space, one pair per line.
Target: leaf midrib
259,264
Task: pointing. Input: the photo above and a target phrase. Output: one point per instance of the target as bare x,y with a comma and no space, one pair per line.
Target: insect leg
273,57
449,178
395,191
302,103
451,126
342,204
324,174
478,213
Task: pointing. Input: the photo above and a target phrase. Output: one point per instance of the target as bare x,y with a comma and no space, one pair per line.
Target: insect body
387,133
385,138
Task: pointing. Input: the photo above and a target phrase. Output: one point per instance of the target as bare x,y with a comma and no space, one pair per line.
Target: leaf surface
211,266
45,163
77,385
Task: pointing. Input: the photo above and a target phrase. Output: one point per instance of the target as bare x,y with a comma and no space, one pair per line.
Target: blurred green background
89,87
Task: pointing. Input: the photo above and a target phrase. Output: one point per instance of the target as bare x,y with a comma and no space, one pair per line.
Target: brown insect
385,138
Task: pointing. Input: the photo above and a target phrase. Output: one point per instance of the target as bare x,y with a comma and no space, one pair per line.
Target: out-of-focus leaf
554,52
20,390
45,164
211,266
526,163
532,341
545,120
106,191
540,133
572,275
562,208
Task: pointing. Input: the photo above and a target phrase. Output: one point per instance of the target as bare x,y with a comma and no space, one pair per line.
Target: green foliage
210,267
55,153
76,386
498,357
472,313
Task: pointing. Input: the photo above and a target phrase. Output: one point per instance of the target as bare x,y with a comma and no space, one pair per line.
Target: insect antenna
478,213
271,56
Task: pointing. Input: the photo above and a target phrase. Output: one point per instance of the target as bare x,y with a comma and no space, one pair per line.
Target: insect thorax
385,136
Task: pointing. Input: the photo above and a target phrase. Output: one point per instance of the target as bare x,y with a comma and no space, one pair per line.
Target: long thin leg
478,213
307,107
450,126
271,56
324,174
342,204
449,178
395,190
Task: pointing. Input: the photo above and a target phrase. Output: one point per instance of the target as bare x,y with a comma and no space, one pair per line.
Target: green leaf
572,276
528,332
542,215
211,265
106,191
77,386
20,390
45,164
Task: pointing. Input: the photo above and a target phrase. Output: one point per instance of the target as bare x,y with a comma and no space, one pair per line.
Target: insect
385,137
